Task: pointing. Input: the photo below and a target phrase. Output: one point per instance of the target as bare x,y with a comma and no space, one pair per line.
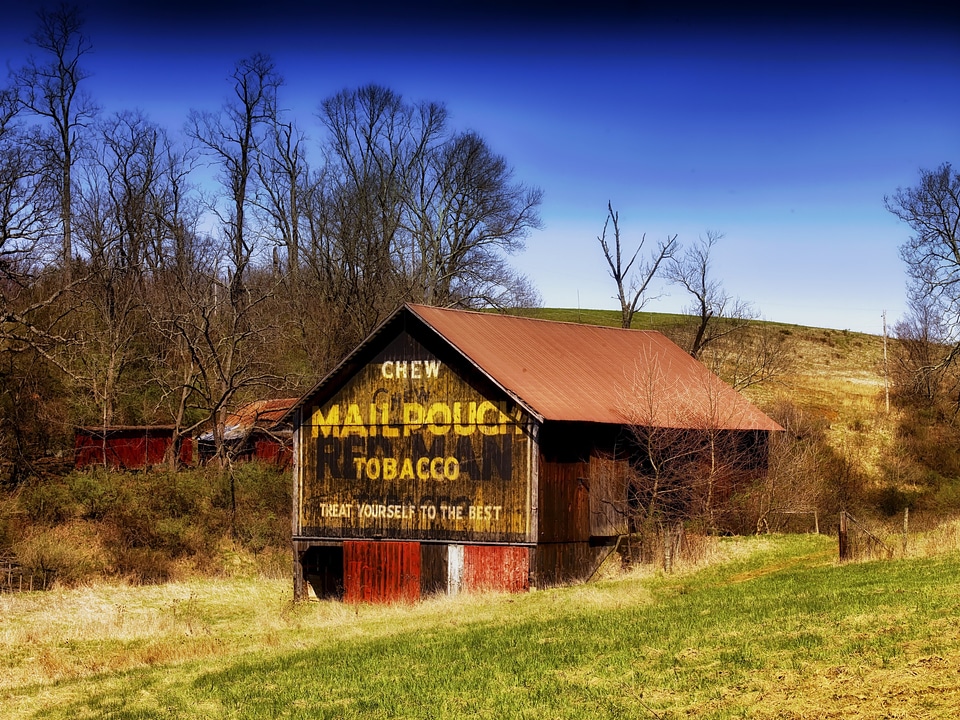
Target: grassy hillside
773,627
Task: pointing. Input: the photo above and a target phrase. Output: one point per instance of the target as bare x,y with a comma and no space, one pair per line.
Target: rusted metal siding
272,451
381,572
504,568
407,448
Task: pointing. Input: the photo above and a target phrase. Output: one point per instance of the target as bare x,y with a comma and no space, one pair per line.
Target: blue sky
782,130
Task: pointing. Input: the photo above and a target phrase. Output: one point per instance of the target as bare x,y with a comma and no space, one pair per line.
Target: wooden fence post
906,525
844,549
667,551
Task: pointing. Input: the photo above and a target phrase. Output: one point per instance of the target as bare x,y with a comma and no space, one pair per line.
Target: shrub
66,554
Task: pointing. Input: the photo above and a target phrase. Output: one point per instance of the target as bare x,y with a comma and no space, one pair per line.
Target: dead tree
632,282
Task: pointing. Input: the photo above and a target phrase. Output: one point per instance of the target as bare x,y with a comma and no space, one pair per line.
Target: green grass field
773,629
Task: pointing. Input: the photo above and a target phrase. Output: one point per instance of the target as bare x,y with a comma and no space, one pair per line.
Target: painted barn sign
407,448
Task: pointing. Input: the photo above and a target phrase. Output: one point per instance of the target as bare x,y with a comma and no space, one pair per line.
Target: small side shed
128,447
256,431
458,450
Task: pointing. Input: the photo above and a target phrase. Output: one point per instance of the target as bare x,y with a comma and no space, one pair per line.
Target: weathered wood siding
433,569
407,448
609,510
564,506
566,563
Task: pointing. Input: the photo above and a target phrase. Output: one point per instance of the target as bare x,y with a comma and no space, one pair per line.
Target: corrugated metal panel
265,413
586,373
381,571
496,567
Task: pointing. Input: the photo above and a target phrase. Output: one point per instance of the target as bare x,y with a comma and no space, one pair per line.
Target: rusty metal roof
586,373
262,413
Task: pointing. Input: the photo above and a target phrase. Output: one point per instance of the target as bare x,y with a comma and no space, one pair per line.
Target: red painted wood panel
496,567
378,572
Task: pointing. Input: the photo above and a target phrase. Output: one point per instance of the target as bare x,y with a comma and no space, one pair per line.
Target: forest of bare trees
135,289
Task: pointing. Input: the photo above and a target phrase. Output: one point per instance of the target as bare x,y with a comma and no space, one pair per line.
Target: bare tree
233,139
115,225
921,373
794,490
222,323
717,314
932,254
466,214
416,211
632,282
50,87
690,453
284,175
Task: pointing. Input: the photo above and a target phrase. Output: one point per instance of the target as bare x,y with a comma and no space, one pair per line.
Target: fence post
844,549
667,551
906,525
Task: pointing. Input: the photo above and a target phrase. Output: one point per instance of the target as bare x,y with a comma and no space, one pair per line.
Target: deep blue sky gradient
782,128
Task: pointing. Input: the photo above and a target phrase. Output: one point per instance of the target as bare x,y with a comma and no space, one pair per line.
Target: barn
456,450
128,447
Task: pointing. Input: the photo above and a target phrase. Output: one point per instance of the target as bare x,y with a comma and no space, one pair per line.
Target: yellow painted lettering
463,426
353,422
389,468
485,426
439,418
412,417
325,423
423,468
406,470
451,468
386,428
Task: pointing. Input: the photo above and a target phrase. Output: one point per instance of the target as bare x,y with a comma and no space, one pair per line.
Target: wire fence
15,578
858,542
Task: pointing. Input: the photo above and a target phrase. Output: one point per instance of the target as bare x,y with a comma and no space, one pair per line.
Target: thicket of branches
132,291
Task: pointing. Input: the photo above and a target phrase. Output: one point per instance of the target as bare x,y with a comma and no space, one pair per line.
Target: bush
66,554
144,526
